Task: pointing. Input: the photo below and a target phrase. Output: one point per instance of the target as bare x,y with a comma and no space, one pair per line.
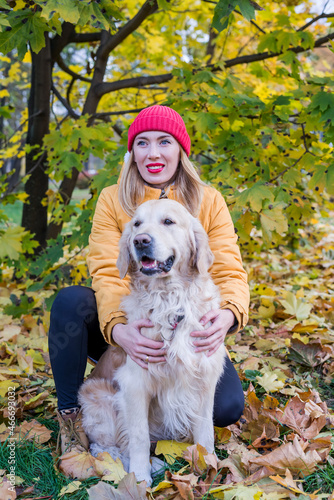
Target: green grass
322,479
36,465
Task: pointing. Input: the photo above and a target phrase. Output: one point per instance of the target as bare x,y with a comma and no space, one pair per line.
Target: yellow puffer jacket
108,225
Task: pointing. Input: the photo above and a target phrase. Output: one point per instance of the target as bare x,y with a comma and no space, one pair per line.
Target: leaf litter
285,360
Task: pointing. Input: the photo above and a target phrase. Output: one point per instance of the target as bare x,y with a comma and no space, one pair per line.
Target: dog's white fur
125,406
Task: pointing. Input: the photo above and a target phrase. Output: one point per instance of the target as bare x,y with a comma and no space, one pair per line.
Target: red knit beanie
163,119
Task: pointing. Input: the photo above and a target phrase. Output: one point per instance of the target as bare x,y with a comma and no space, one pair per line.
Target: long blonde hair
188,185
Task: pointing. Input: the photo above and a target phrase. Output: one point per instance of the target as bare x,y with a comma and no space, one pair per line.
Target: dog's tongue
149,263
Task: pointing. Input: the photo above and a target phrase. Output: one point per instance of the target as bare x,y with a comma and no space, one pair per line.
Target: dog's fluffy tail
96,397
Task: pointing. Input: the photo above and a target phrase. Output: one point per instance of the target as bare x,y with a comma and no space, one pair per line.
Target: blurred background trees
253,82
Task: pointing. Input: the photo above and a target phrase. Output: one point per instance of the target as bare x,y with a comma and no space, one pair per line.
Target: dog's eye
137,223
168,222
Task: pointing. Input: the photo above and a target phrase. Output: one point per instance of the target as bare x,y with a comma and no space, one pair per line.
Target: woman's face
157,155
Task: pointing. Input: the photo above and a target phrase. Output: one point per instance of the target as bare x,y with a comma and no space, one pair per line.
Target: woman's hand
213,337
140,349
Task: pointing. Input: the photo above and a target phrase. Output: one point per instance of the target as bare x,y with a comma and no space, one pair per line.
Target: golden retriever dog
165,250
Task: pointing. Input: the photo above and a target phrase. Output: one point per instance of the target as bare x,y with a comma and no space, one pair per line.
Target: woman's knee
74,300
230,411
70,311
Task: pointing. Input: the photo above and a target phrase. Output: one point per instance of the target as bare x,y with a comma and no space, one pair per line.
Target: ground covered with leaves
282,447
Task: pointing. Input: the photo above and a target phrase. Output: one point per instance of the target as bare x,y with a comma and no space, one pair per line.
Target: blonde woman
84,321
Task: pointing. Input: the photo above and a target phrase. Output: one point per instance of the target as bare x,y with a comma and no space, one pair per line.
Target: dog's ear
202,256
123,260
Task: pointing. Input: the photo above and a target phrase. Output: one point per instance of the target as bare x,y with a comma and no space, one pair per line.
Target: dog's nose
142,241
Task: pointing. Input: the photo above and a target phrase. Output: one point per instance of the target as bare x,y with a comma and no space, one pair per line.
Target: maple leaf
170,450
128,489
270,382
299,417
109,469
33,430
293,456
77,465
184,484
311,354
296,307
288,482
199,459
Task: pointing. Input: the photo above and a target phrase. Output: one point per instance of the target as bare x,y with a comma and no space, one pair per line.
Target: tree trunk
34,217
68,183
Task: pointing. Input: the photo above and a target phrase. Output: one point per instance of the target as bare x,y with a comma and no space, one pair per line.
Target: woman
157,166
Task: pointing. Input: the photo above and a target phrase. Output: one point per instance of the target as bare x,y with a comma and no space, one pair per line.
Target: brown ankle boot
71,434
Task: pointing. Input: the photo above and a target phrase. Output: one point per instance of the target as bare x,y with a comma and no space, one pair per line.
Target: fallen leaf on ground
128,489
77,465
293,456
170,450
33,430
288,482
183,483
109,469
297,416
7,490
70,488
270,382
199,459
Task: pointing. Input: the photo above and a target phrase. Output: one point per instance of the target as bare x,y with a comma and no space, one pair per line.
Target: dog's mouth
151,266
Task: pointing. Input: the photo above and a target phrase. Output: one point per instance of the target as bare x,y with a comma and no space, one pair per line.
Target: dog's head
163,238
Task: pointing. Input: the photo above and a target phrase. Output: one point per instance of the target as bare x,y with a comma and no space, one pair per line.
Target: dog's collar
173,325
176,321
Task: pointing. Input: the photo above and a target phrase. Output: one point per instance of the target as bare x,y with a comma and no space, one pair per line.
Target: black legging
75,335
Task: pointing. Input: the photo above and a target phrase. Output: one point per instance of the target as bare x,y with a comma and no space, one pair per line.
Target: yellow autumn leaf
6,385
27,57
170,450
70,488
296,307
266,312
265,301
162,486
11,242
37,358
270,382
36,400
19,4
9,332
303,338
108,468
264,290
25,362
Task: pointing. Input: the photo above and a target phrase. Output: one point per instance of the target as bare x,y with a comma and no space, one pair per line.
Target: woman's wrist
232,321
116,331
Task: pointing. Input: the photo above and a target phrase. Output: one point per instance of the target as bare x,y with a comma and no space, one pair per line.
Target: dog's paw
95,449
157,466
143,476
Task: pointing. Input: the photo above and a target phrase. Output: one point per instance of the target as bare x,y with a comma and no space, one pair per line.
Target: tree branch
140,81
64,102
267,55
85,37
148,8
77,76
314,20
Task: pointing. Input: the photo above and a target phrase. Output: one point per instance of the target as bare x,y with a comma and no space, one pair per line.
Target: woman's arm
103,252
227,270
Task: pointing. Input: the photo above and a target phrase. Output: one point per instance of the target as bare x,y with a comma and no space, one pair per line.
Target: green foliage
27,23
262,132
223,12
